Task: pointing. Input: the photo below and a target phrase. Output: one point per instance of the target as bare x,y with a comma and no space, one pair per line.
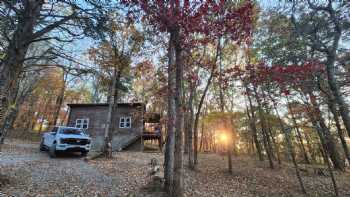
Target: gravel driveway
34,173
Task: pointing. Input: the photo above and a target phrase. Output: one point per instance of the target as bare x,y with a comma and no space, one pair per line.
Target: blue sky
80,47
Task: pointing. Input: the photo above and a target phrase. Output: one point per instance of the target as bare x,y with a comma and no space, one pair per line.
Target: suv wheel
42,147
52,150
84,153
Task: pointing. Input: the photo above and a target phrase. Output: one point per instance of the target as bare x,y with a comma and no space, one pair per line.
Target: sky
79,47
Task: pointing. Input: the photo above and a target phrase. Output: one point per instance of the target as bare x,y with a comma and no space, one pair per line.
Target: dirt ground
29,172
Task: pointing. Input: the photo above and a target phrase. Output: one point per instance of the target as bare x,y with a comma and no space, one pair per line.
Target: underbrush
24,135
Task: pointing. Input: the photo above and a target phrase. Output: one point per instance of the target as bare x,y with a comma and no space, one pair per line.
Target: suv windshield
71,131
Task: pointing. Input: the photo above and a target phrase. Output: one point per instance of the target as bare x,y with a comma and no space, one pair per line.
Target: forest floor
28,172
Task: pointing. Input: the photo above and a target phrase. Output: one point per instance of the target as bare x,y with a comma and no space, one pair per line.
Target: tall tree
323,25
27,22
181,20
26,86
120,41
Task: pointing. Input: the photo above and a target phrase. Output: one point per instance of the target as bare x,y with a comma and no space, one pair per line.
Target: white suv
65,139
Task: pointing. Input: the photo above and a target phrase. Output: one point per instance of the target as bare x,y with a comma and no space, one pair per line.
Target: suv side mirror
54,131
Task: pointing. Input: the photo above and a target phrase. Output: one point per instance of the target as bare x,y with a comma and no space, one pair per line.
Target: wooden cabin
131,121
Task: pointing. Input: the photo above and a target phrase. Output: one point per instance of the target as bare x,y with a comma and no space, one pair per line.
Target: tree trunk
268,148
196,120
111,116
292,154
59,100
222,110
170,139
275,145
323,151
31,114
309,146
289,147
8,122
186,129
266,111
329,167
202,137
337,30
201,101
221,94
266,145
11,115
58,105
178,154
229,157
334,111
44,113
12,65
302,147
252,121
189,127
332,82
328,138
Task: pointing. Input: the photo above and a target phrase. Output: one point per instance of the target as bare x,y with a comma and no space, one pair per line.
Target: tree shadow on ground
68,155
155,188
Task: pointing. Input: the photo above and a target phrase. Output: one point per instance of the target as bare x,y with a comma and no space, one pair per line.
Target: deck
151,135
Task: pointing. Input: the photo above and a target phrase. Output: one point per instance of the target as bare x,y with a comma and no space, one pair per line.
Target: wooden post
142,126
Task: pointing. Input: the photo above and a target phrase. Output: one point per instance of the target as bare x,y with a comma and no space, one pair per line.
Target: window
71,131
125,122
82,123
54,130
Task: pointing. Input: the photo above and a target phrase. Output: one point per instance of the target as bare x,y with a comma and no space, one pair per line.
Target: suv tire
52,150
42,147
84,153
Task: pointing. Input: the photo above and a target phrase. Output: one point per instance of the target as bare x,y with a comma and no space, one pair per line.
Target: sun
223,138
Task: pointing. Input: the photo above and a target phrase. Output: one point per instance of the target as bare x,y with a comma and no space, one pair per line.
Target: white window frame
82,122
123,120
